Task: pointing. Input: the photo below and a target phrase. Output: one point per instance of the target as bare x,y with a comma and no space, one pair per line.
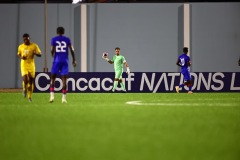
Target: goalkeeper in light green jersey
118,61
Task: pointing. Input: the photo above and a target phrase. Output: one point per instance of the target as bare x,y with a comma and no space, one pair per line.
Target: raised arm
105,57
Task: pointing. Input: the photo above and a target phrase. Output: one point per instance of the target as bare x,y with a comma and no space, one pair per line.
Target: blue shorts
186,75
60,67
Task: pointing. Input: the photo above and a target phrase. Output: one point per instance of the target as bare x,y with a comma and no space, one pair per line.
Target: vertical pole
186,26
83,38
45,69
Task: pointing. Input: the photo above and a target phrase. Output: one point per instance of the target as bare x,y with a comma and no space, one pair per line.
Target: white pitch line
203,99
140,103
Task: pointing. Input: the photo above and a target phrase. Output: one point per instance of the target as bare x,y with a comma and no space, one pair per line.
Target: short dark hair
185,49
60,30
25,35
117,48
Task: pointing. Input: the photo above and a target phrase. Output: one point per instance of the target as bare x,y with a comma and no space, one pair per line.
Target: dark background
114,1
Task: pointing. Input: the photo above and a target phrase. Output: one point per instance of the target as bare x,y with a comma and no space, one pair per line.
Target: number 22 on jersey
61,46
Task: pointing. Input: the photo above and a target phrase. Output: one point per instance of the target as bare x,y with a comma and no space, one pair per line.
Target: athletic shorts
118,74
60,67
28,70
186,75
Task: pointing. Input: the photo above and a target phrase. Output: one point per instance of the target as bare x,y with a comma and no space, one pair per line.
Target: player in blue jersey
59,49
184,62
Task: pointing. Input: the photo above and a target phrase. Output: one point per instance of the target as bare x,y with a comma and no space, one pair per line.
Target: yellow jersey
28,65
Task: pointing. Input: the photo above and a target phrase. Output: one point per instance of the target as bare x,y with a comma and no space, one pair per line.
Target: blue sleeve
53,42
69,42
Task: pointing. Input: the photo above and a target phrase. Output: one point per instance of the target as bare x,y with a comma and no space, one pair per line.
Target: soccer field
118,126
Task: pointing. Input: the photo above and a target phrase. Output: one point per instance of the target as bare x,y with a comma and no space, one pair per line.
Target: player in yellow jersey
26,53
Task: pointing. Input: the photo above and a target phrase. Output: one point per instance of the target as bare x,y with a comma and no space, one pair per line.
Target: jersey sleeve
37,49
69,42
53,42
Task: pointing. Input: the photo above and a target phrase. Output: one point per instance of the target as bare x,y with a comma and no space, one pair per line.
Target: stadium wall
150,35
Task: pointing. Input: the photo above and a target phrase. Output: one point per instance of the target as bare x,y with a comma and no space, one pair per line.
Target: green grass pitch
132,126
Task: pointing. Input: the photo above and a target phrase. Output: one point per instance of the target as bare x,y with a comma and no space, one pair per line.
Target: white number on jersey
61,46
182,61
26,52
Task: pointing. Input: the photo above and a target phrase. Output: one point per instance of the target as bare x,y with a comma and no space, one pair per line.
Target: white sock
52,95
64,96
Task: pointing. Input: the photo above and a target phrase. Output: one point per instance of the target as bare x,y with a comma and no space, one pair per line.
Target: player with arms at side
26,53
184,62
118,61
59,49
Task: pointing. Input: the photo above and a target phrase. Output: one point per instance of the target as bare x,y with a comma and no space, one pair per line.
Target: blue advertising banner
154,82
